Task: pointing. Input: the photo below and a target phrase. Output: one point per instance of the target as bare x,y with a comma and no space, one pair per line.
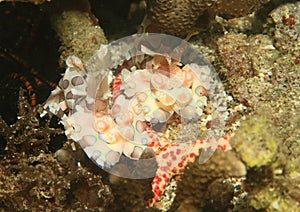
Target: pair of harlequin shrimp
137,113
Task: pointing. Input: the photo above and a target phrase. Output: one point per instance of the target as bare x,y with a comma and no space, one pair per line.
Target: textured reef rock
263,74
287,28
247,63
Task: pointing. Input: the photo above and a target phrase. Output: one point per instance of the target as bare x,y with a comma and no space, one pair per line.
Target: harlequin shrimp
144,93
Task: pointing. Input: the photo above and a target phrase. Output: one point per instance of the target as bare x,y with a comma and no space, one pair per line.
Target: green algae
271,154
256,141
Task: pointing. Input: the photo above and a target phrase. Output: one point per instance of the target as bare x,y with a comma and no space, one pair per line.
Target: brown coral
237,8
176,17
186,17
220,166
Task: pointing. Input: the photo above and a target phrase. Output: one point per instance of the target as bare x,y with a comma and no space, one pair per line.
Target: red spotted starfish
172,161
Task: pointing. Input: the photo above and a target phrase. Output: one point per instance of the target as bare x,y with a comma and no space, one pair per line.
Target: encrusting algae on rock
259,144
